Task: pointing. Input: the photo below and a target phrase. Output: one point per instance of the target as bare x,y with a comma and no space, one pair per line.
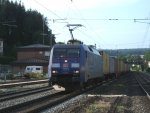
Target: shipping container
105,58
111,65
115,65
119,67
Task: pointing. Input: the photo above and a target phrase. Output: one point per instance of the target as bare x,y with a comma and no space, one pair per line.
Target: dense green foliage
6,60
147,55
140,61
34,75
125,52
19,27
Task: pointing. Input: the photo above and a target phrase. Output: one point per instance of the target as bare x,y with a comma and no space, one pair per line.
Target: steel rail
24,93
45,102
147,94
8,85
113,107
38,104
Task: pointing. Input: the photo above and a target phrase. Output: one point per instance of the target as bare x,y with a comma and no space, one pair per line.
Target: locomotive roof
86,47
67,45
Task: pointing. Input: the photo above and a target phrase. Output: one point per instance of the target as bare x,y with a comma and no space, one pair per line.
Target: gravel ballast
13,102
100,100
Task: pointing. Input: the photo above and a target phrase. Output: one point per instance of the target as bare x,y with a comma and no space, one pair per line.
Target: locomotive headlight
54,71
76,71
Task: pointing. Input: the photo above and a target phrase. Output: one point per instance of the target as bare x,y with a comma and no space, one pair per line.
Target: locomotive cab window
70,53
59,53
90,49
73,53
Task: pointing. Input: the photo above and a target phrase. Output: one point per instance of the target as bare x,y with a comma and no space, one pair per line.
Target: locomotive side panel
94,66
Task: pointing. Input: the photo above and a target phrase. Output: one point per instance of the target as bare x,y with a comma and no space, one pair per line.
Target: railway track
39,104
144,83
113,108
13,95
23,83
47,101
25,100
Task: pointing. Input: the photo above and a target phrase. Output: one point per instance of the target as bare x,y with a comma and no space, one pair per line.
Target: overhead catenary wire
104,19
89,19
89,26
59,17
90,38
63,20
136,44
113,19
146,32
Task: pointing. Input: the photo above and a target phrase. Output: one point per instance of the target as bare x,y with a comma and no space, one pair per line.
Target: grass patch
98,106
120,108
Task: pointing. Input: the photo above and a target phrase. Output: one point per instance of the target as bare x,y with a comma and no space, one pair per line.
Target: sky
110,24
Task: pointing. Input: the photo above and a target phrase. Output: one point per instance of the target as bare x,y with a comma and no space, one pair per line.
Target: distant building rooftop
36,46
31,61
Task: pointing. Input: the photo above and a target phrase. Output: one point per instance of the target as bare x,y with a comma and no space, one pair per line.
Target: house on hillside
36,54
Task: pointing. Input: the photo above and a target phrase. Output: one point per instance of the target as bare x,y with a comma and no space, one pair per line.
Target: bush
34,75
6,60
148,70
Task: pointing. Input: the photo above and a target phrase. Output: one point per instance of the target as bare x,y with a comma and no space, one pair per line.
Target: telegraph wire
129,44
48,10
88,36
89,26
146,32
92,19
108,19
56,20
59,18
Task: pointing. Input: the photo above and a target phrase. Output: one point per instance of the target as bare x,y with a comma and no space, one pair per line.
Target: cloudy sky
110,24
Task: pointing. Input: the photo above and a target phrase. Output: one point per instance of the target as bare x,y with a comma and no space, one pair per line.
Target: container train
77,66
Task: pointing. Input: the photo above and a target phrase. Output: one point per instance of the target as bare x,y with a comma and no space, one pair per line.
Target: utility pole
43,30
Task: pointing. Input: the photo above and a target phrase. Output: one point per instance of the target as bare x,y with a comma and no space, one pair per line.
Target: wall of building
29,54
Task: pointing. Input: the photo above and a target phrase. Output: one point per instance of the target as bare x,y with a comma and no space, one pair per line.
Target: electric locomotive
74,66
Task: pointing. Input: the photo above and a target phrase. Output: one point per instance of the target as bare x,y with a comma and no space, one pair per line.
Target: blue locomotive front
65,63
72,66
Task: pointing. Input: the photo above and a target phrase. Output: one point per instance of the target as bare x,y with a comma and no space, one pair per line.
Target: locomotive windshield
59,53
66,53
71,53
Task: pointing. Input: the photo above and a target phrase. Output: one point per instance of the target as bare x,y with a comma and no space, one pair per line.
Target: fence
5,72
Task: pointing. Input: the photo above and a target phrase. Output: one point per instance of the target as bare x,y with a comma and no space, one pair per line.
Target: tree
147,56
19,27
146,60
